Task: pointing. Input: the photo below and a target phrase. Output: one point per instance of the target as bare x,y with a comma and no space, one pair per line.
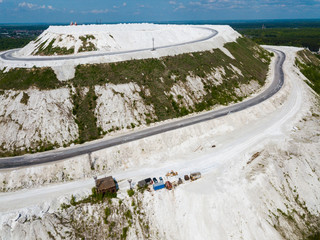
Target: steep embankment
309,65
104,98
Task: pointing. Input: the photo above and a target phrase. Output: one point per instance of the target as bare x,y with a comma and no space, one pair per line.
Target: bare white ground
120,37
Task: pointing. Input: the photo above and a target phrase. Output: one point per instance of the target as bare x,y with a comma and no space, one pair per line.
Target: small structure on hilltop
106,184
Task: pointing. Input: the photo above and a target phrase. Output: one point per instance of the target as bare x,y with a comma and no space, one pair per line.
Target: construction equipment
172,173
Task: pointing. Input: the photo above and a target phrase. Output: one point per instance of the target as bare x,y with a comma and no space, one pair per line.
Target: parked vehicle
155,180
186,177
142,183
158,186
149,181
168,185
160,179
195,176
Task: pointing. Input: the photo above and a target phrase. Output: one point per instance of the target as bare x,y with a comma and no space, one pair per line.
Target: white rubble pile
46,117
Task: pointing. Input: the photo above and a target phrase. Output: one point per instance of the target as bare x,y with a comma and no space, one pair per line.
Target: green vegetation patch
23,79
25,98
50,50
244,51
94,198
299,37
10,43
130,192
86,45
310,68
84,104
38,146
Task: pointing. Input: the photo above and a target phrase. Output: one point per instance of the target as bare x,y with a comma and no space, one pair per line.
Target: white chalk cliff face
120,106
32,118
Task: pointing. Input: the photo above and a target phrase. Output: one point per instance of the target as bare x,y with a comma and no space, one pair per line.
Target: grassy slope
310,67
153,74
22,79
50,50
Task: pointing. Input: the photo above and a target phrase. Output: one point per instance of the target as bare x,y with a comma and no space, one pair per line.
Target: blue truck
158,186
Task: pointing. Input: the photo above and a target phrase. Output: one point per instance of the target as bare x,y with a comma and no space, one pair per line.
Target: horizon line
171,21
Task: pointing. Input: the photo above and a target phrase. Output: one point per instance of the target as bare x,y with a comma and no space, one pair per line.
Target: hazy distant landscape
298,33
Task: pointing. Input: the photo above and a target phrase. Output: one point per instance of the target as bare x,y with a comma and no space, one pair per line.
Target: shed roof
105,183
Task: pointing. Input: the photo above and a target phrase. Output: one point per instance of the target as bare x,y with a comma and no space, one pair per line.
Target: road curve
7,56
51,156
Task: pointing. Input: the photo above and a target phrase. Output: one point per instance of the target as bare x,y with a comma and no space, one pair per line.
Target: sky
108,11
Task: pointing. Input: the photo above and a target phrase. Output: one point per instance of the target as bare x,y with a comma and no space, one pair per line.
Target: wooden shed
106,184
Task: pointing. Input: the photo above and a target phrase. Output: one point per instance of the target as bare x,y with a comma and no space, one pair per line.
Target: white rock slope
119,106
43,116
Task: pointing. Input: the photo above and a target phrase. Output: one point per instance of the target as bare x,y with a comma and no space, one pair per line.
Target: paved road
8,55
33,159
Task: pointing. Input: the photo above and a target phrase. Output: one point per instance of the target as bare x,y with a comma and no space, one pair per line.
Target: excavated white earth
236,198
46,116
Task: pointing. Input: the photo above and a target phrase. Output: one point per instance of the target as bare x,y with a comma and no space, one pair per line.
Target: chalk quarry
261,180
